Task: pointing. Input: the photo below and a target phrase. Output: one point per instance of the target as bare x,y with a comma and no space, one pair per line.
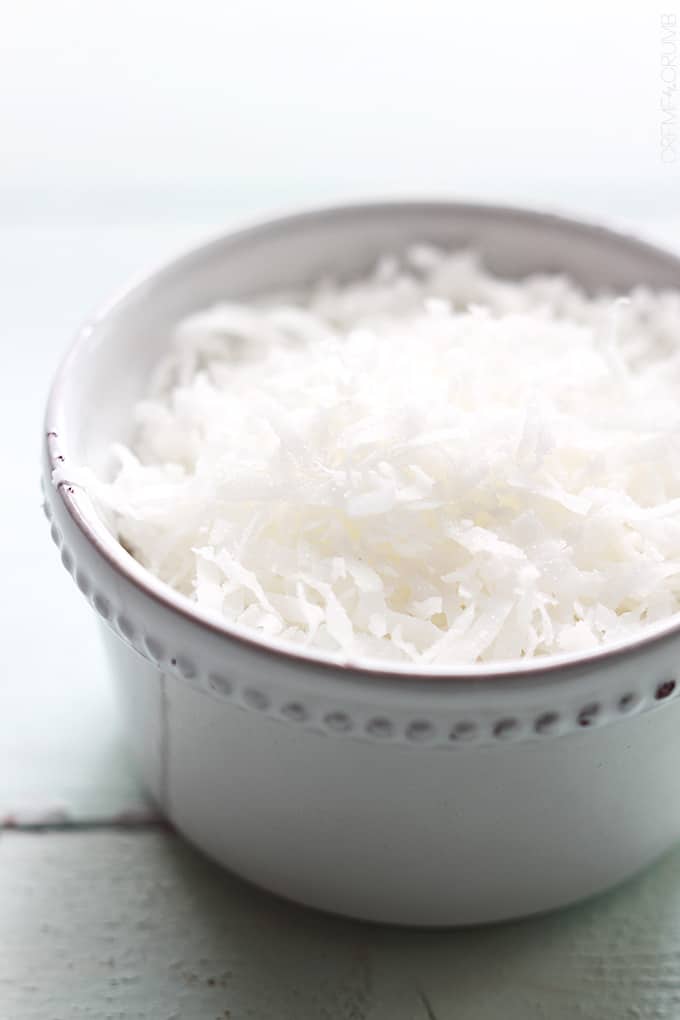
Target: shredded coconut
430,464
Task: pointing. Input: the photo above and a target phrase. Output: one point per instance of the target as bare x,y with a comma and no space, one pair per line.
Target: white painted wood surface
111,926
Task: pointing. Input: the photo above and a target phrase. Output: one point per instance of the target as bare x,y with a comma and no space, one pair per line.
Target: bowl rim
514,673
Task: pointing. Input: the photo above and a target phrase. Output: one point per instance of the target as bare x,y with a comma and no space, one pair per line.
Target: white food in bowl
428,464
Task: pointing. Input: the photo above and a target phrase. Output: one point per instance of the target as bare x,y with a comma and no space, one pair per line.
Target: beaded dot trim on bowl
463,732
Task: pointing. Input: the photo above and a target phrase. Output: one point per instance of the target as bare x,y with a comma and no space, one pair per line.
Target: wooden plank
112,925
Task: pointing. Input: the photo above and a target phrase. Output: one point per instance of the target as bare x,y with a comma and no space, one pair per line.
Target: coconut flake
428,464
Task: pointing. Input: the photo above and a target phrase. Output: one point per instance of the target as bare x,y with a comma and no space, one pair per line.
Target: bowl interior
107,368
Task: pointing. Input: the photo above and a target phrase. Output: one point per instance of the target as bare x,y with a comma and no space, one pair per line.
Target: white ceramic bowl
417,799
